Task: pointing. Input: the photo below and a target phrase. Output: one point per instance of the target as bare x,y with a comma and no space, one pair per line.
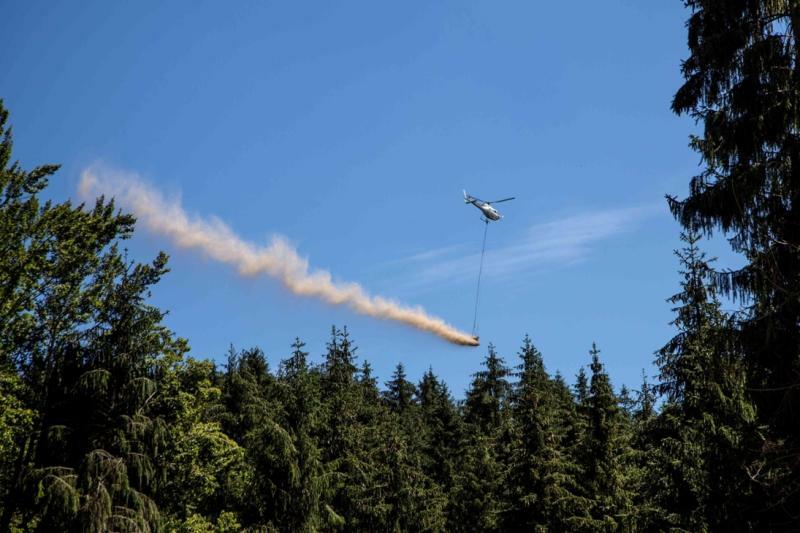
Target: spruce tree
297,364
442,429
742,84
308,493
369,386
703,437
75,327
539,485
581,387
339,365
475,498
399,394
602,452
488,393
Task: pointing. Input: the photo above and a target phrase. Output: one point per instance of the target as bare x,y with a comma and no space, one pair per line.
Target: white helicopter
486,207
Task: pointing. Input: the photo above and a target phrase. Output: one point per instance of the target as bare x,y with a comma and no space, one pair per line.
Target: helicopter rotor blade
503,200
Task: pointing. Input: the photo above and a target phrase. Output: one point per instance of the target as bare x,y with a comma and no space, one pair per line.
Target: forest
107,423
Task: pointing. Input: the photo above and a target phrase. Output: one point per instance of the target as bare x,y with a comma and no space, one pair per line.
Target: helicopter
489,212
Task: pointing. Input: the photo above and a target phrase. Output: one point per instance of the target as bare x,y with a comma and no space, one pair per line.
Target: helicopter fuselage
487,210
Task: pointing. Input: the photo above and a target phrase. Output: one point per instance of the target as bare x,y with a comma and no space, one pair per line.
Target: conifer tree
488,393
639,456
442,429
703,434
399,394
540,486
602,450
475,502
566,412
579,430
351,436
75,328
476,495
369,385
340,368
297,364
742,84
581,387
308,493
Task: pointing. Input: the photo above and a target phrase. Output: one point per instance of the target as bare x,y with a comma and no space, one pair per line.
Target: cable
480,271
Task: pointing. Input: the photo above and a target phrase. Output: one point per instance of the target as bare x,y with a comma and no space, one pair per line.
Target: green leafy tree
16,423
205,471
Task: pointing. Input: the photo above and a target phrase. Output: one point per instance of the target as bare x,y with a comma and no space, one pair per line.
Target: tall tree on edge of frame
742,84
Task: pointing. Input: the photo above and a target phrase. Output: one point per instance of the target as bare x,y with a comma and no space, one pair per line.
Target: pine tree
399,394
581,387
354,438
247,391
626,401
75,328
602,453
308,493
539,485
414,502
369,385
253,418
475,503
297,364
442,429
488,394
645,402
639,458
703,434
566,412
475,500
742,84
340,368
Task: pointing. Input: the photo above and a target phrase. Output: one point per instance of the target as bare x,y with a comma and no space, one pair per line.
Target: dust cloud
279,259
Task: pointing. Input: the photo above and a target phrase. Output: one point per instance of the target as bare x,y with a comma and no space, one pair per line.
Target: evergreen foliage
488,395
703,437
107,425
742,85
400,392
540,483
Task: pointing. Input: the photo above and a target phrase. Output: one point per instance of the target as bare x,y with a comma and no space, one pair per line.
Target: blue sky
351,128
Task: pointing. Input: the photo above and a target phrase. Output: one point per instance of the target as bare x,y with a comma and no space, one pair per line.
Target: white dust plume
278,260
